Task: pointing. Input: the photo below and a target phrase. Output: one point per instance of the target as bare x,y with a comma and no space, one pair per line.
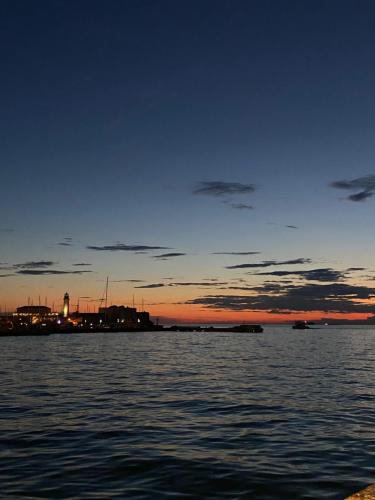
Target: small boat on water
301,325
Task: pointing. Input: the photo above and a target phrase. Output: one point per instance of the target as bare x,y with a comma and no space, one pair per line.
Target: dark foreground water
280,415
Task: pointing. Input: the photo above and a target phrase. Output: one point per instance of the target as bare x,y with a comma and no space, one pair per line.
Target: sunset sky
214,159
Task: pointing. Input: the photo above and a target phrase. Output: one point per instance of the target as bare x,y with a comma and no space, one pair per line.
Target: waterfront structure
88,320
120,315
66,305
34,310
144,321
32,315
32,319
121,318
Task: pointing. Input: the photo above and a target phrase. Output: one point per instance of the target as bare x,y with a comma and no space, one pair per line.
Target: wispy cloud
152,285
365,187
127,281
47,272
288,226
204,284
222,189
67,242
82,264
241,206
166,256
34,264
269,263
121,247
235,253
209,284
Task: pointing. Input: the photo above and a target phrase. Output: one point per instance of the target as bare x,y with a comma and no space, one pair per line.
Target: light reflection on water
283,414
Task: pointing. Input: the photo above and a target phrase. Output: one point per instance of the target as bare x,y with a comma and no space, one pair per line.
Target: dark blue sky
113,112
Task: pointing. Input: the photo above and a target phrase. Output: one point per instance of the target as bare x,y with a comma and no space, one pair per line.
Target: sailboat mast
106,293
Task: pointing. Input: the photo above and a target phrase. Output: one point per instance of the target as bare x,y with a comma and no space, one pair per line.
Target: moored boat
301,325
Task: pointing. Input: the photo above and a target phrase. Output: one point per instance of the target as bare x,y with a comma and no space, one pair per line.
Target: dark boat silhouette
301,325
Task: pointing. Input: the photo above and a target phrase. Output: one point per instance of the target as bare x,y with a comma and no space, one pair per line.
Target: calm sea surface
280,415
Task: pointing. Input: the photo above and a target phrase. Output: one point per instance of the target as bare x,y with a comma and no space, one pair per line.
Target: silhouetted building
144,321
120,315
34,310
89,320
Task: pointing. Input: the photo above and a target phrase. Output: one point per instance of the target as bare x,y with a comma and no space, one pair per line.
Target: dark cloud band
165,256
269,263
325,274
152,285
333,298
235,253
120,247
364,185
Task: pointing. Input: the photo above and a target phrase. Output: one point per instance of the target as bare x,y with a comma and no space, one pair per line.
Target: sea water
284,414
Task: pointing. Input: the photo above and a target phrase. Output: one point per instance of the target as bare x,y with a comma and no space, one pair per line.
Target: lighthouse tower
66,305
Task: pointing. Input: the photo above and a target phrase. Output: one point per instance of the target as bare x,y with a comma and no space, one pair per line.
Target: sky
214,159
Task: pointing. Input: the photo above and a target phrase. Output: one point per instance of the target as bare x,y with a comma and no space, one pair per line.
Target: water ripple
282,415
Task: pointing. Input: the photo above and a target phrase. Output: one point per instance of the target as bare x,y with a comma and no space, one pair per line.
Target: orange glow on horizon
195,314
